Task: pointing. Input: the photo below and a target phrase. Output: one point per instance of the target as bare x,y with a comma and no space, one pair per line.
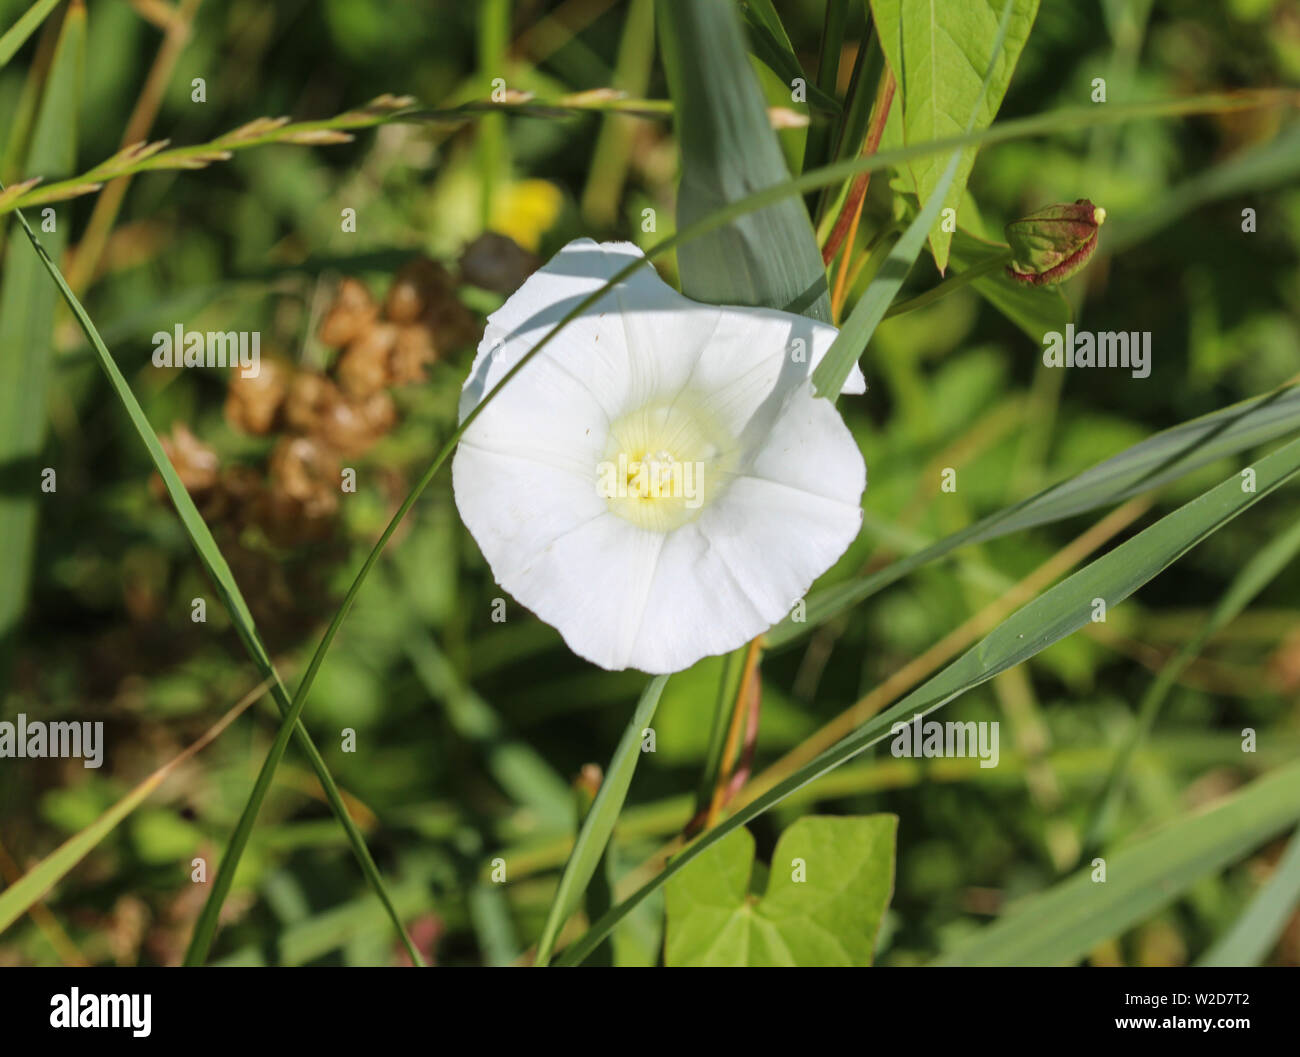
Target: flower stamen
662,464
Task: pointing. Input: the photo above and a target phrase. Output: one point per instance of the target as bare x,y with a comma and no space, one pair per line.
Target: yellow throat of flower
663,463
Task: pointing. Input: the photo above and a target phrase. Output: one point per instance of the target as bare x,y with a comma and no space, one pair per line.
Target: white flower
658,482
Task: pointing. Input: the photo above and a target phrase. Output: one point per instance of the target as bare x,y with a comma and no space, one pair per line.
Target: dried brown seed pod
311,397
353,427
413,351
353,312
307,471
196,464
496,262
366,365
252,404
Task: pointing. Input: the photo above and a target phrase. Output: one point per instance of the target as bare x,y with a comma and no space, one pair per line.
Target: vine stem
953,282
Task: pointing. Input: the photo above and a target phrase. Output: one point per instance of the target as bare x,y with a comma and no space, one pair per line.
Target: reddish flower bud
1051,245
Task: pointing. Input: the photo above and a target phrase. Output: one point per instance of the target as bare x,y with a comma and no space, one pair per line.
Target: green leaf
1256,932
1061,925
1046,620
28,22
856,332
1145,466
768,257
599,822
831,880
27,332
939,54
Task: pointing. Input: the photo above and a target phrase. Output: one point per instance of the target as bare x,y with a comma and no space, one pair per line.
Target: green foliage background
471,733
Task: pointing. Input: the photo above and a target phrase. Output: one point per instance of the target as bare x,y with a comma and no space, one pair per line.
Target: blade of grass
518,768
1049,618
1147,465
218,571
23,112
728,687
1256,932
493,36
853,130
27,337
1255,575
599,822
153,157
769,258
836,23
613,151
387,110
1061,925
1079,769
90,249
28,23
20,896
771,45
1003,604
50,928
835,227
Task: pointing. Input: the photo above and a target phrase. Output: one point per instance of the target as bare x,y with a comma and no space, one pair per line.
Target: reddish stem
858,190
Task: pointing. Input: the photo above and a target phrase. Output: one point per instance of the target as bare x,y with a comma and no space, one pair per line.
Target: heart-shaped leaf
831,879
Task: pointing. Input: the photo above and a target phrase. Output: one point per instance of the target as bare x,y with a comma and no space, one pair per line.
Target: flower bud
1051,245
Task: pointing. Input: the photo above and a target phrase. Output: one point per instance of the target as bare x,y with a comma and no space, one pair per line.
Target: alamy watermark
931,739
37,740
75,1010
212,348
657,476
1108,348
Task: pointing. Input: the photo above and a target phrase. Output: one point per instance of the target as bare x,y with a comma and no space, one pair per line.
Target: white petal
642,339
622,594
591,584
639,340
756,360
753,553
516,507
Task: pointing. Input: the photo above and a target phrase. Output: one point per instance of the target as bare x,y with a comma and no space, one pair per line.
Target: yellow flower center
663,463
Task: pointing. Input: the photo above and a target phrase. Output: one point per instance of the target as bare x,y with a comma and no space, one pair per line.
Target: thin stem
953,282
740,709
728,682
846,265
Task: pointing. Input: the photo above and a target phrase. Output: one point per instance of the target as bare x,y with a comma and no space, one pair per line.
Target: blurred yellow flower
525,210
